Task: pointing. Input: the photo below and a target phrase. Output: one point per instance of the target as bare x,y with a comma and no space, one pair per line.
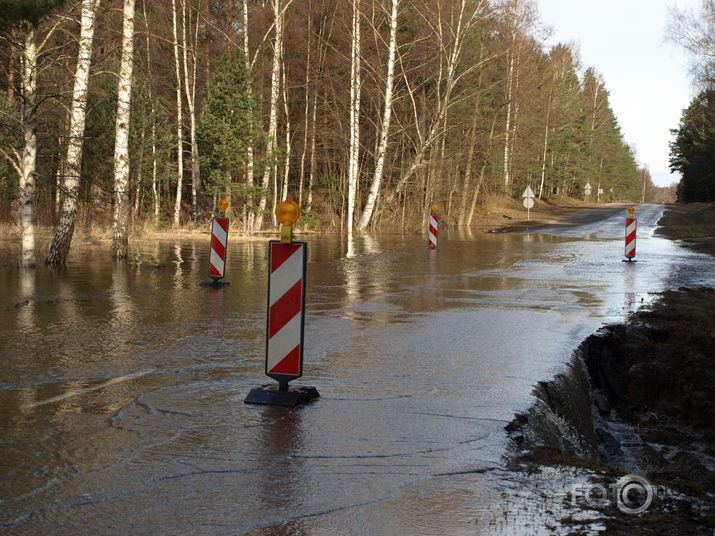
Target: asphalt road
121,401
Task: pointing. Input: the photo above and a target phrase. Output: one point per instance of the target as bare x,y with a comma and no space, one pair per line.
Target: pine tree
229,128
693,151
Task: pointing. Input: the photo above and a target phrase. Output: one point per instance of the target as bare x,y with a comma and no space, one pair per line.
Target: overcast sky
647,78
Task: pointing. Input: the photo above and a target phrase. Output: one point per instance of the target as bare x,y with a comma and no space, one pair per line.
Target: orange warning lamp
435,208
631,210
222,204
287,213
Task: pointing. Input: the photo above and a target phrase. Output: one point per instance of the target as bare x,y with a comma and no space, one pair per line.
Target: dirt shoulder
503,214
494,213
654,377
693,223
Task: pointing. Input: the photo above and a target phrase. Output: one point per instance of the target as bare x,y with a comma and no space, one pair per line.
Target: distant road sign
528,193
528,203
587,189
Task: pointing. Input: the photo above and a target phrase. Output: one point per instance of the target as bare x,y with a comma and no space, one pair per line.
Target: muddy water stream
122,386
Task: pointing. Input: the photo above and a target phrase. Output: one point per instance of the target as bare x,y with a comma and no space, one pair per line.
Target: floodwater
122,387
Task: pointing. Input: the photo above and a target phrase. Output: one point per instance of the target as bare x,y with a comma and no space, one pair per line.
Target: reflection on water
121,398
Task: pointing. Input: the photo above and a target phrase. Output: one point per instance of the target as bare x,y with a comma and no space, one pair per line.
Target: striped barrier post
433,227
285,318
219,242
219,245
286,311
631,227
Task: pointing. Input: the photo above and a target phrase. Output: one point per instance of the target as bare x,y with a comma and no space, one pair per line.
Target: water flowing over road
121,396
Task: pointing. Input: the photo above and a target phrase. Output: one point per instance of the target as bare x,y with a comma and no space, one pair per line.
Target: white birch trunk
301,174
273,120
354,154
387,115
155,192
249,150
546,145
507,126
286,166
190,92
28,163
179,122
73,162
312,165
120,220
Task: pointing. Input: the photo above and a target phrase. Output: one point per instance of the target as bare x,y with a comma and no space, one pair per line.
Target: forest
692,152
365,112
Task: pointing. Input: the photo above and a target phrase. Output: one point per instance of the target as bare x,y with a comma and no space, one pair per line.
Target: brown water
122,387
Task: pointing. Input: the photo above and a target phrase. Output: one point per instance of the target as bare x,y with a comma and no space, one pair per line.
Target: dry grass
693,223
498,211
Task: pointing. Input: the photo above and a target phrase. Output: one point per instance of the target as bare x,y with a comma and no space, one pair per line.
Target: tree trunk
179,122
190,92
386,117
546,144
485,161
467,184
507,124
275,94
120,219
312,164
60,246
250,225
12,59
286,164
29,153
354,155
463,22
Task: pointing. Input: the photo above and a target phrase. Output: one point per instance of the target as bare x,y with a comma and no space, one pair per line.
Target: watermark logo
633,494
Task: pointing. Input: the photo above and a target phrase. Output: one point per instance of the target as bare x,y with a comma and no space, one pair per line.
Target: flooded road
122,387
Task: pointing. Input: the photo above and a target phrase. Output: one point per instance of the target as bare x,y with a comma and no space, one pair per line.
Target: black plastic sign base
271,395
215,283
629,260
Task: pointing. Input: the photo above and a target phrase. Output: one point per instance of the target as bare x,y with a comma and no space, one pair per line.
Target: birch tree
120,219
250,156
179,120
385,127
457,27
73,162
190,92
355,83
26,17
26,198
278,17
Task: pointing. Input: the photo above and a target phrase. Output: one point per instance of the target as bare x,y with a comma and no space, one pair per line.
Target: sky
647,78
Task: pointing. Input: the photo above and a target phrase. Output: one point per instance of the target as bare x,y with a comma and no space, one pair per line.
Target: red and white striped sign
219,238
286,310
433,230
631,225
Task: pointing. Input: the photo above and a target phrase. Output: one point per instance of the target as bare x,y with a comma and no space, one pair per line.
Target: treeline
366,112
692,152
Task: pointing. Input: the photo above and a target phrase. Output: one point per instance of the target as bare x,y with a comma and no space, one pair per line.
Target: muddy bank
693,223
637,398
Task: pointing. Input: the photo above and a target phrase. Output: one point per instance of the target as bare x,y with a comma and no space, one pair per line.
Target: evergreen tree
693,151
228,128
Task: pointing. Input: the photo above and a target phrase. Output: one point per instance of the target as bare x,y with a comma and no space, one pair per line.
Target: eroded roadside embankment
639,398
